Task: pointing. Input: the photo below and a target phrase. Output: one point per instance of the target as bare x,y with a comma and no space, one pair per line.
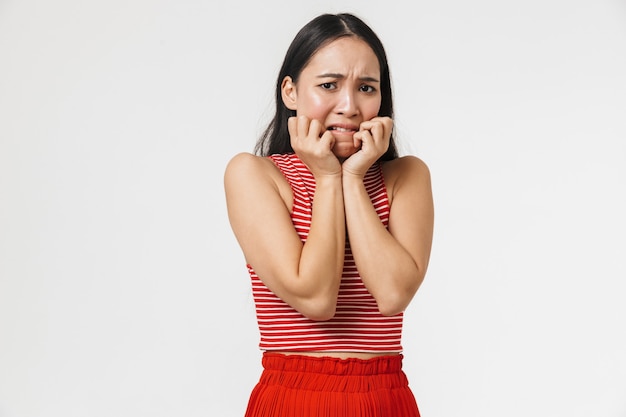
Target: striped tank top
357,325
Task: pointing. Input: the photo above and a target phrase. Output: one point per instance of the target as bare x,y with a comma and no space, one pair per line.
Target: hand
313,145
373,138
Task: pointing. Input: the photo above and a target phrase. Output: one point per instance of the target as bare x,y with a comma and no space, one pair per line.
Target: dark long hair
314,35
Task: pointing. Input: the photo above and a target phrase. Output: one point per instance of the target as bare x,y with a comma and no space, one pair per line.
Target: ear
289,93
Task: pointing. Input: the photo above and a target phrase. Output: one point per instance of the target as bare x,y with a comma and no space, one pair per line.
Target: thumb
328,138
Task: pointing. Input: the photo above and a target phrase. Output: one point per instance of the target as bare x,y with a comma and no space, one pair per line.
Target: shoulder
250,166
405,168
246,161
406,174
247,172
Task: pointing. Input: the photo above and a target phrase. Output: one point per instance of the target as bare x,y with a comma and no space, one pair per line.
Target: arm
392,263
305,276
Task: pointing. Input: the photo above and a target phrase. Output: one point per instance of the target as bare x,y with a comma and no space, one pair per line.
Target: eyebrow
341,76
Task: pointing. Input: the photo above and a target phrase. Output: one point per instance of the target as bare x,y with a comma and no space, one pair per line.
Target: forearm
388,271
322,257
305,276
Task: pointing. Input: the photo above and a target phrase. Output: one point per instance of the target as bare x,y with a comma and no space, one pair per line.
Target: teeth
340,129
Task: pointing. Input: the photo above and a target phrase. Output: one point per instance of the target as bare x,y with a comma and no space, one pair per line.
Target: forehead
346,54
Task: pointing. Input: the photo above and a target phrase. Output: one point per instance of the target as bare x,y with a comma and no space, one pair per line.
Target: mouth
342,129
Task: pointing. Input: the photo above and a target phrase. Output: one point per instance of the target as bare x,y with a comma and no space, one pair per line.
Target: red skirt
305,386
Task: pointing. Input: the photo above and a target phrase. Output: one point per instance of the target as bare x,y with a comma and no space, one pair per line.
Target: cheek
314,106
371,109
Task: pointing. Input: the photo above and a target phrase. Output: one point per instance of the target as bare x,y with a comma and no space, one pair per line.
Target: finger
385,123
357,139
374,126
316,129
303,126
362,137
328,137
292,126
367,126
385,120
377,130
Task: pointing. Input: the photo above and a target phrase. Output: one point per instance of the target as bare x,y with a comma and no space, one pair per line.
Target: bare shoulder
251,168
406,170
245,162
408,183
252,174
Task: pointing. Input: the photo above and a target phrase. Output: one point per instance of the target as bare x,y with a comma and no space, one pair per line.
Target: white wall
124,293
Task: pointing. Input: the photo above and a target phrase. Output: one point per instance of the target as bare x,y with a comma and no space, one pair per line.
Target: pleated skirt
305,386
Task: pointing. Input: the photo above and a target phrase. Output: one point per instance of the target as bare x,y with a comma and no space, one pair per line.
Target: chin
344,152
343,156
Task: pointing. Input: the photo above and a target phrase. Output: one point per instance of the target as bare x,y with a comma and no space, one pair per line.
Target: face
340,87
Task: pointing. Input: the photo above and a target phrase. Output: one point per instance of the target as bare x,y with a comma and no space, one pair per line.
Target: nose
346,103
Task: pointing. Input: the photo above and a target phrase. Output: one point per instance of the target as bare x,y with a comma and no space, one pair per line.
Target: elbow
320,309
395,302
319,304
324,315
390,308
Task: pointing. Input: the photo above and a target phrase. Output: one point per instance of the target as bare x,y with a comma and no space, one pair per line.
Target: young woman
336,229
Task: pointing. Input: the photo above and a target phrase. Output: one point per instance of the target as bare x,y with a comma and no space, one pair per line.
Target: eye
328,86
367,88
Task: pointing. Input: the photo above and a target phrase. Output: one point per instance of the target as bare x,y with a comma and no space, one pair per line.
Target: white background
124,293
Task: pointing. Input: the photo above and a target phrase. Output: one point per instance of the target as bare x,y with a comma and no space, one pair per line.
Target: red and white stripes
357,325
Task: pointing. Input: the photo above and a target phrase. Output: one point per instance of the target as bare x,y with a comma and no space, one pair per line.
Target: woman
336,229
